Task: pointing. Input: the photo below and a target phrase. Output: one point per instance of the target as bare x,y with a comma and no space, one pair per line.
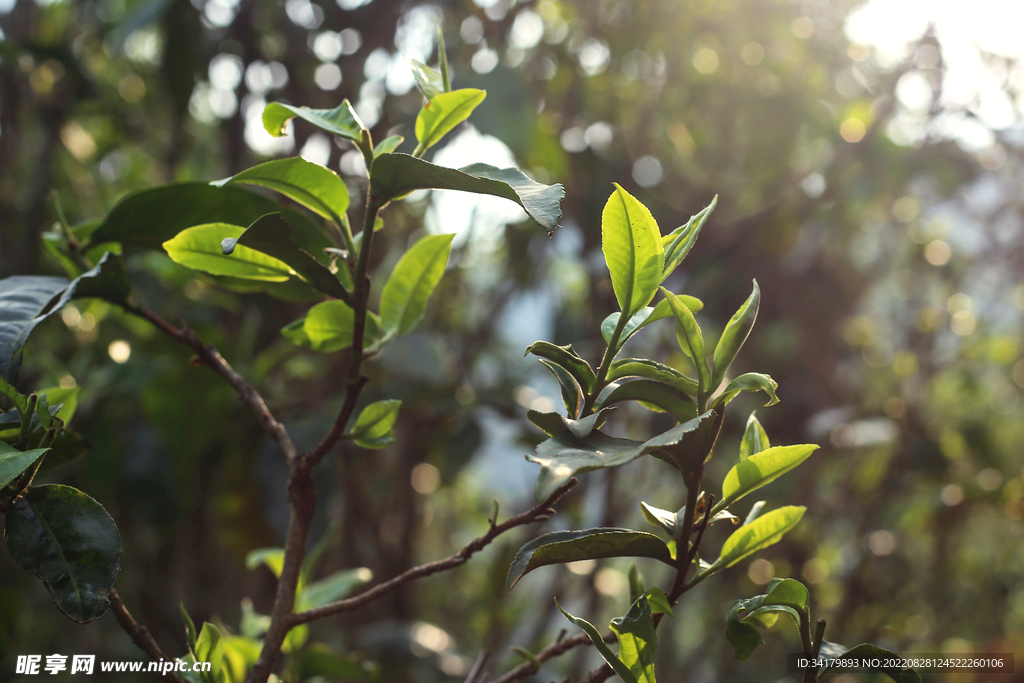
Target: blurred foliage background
877,205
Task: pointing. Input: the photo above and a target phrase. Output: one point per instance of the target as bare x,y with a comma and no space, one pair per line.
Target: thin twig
476,674
139,634
541,510
209,356
559,647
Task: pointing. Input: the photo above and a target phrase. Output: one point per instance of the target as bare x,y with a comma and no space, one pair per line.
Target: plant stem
606,362
811,673
26,422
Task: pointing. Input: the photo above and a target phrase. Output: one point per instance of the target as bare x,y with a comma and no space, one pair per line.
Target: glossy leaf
638,641
199,248
653,370
19,401
332,588
148,218
679,242
755,439
388,145
272,235
764,531
328,327
735,333
655,395
560,547
751,381
428,79
564,456
341,121
444,111
644,317
70,542
691,341
554,424
620,669
572,393
669,521
372,428
13,462
396,175
317,188
785,596
566,357
403,302
760,469
632,248
210,648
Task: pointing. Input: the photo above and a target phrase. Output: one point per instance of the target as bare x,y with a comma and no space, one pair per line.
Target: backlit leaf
632,249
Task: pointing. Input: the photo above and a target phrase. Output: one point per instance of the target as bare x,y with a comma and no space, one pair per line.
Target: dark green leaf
272,235
13,462
396,175
560,547
653,370
566,357
632,249
148,218
317,188
563,456
621,670
444,111
743,636
572,393
24,303
638,642
655,395
554,424
403,302
755,439
70,542
637,587
68,447
735,333
691,341
679,241
644,317
760,469
751,381
19,401
341,121
373,426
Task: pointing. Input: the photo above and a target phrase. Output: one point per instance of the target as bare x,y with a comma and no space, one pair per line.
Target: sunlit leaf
372,428
638,641
341,121
679,242
621,670
317,188
764,531
632,249
443,112
755,439
199,248
760,469
403,302
735,333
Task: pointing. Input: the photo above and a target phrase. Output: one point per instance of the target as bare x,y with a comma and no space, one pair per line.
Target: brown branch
140,635
551,651
477,673
538,512
209,356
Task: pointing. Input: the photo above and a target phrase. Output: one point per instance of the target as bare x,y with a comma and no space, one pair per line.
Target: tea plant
246,241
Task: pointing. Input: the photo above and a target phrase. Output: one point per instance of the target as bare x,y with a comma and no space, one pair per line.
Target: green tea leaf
649,369
567,358
632,248
658,601
655,396
199,248
210,648
373,426
560,547
428,79
644,317
317,188
396,175
620,669
272,235
13,462
443,112
65,397
149,217
679,242
332,588
760,469
638,641
564,456
190,628
554,424
328,327
341,121
751,381
755,439
273,558
20,402
669,521
735,333
637,587
691,341
572,393
387,145
70,542
764,531
403,302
